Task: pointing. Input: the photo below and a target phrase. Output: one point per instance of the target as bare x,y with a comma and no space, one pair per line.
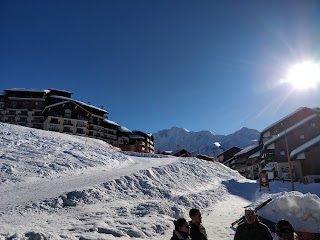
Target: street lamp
288,157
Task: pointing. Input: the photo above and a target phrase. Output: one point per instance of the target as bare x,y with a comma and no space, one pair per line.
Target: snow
59,186
286,131
305,146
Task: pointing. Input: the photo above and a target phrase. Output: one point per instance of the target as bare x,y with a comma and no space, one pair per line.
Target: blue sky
201,65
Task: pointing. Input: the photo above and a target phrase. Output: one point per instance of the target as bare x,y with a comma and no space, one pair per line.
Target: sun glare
304,75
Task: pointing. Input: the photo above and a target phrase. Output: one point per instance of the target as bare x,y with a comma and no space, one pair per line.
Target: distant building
228,154
204,157
55,110
246,162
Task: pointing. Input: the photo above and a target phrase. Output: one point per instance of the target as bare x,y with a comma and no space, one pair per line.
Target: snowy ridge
203,141
58,186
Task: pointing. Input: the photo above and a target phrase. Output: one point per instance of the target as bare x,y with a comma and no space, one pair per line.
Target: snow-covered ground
57,186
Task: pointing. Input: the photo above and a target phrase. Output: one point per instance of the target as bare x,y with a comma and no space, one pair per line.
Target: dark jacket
254,231
177,235
198,232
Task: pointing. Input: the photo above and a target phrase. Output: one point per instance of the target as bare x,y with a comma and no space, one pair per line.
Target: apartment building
299,131
55,110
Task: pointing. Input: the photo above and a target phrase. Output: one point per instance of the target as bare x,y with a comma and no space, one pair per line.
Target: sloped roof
110,122
124,129
281,134
282,119
247,149
305,146
256,154
135,136
229,150
27,90
59,90
79,102
55,104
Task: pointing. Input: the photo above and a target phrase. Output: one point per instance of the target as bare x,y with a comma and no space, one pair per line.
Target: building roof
135,136
53,89
124,129
282,119
255,155
26,90
305,146
55,104
247,149
289,129
79,102
229,150
228,160
110,122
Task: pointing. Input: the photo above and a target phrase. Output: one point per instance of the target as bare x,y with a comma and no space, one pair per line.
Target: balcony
54,122
11,113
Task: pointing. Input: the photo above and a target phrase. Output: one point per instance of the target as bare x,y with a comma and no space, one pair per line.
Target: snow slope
57,186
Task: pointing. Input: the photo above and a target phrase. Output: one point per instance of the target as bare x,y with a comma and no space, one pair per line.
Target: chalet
181,153
227,154
204,157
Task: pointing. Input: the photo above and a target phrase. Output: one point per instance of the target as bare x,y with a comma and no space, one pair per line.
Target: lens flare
304,75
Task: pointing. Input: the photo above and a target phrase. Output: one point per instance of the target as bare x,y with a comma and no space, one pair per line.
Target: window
282,153
67,129
302,136
54,121
313,124
67,122
13,104
38,105
80,131
54,128
25,104
67,113
80,124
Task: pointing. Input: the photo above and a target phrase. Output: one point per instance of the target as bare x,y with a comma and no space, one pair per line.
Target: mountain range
203,142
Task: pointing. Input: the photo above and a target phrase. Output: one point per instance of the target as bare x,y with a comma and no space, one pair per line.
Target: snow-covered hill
203,141
58,186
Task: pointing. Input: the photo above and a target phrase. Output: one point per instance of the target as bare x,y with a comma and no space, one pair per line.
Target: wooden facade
296,129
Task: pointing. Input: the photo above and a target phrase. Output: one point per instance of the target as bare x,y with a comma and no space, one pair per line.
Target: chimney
89,103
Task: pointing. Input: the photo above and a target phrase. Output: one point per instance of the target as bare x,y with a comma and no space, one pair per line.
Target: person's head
195,216
181,225
284,229
250,215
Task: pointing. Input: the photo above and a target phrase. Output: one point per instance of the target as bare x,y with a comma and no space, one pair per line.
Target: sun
304,75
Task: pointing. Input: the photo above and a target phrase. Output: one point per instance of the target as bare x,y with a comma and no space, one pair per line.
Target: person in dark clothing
285,231
197,231
252,228
181,230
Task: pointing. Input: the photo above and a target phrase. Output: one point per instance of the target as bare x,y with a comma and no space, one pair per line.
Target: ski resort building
55,110
299,134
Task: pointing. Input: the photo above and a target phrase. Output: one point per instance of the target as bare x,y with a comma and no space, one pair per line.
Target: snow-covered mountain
204,141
